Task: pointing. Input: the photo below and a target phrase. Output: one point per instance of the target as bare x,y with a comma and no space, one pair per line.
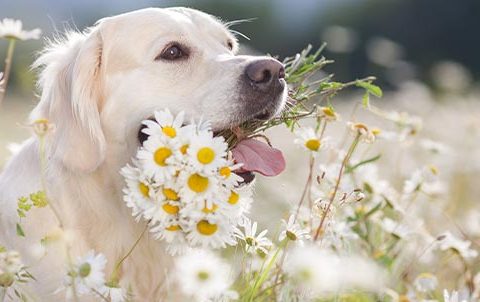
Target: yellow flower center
183,149
161,155
206,228
328,111
170,209
173,228
144,189
313,144
233,199
169,131
209,211
376,131
197,183
225,172
170,194
203,275
205,155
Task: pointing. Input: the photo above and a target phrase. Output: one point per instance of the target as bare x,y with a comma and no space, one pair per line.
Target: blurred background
425,53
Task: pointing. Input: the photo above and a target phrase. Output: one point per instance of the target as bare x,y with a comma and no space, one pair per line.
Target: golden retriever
96,88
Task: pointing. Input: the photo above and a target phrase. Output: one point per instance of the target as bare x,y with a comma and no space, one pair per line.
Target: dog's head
98,86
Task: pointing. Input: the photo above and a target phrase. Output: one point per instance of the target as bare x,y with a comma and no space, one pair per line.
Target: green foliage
369,89
25,204
20,231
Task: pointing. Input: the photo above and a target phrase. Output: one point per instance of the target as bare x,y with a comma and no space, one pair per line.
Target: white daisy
202,274
87,273
166,204
239,202
293,231
157,158
207,153
168,230
425,283
453,297
12,29
227,176
309,139
448,241
139,191
165,124
114,293
253,242
210,232
196,186
10,266
362,131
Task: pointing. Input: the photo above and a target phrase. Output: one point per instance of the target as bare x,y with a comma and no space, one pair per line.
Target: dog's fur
96,88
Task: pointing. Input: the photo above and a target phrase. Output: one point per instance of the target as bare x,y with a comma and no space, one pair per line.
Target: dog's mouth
256,156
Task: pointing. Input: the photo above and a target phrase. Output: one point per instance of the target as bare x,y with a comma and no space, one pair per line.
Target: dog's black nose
265,73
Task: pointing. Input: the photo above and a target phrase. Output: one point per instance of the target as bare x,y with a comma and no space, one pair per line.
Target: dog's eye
230,45
171,53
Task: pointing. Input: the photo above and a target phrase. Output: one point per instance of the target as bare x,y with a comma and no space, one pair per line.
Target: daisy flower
168,230
202,275
207,153
361,130
448,241
425,283
165,124
10,266
239,202
253,242
308,139
139,191
114,292
227,176
453,297
87,273
12,29
328,113
210,232
196,185
293,231
157,158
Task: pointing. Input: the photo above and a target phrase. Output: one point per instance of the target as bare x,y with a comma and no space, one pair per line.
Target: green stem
8,67
116,270
337,184
263,276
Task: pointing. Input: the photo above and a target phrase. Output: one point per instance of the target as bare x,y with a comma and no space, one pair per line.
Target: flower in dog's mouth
188,185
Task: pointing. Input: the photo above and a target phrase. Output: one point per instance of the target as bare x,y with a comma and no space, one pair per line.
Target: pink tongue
257,156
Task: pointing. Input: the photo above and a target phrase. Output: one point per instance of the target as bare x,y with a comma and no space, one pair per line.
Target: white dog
96,88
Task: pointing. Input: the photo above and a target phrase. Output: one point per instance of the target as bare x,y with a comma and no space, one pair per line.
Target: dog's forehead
178,20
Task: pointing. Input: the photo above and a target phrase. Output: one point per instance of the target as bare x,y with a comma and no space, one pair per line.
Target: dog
96,89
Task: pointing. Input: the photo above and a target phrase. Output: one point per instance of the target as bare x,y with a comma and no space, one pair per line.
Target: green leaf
366,100
20,231
371,88
374,209
367,161
2,249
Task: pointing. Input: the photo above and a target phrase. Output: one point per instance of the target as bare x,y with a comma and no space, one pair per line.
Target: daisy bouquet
182,182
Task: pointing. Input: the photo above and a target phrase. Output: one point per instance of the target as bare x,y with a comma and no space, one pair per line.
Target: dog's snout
265,72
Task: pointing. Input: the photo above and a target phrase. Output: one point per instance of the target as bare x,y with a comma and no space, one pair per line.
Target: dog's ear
71,94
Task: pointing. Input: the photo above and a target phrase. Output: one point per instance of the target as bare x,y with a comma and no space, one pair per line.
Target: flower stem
337,184
8,67
307,185
119,263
